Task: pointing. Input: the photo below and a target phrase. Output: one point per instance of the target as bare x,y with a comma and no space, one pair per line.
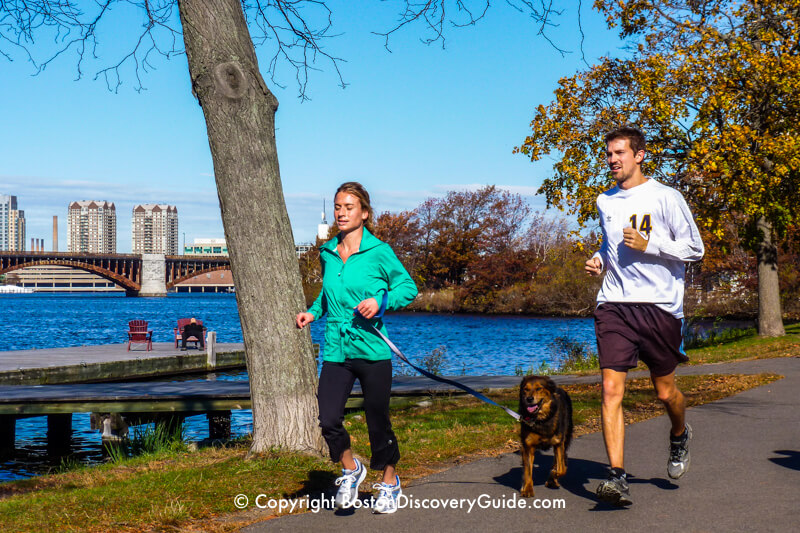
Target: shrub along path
745,475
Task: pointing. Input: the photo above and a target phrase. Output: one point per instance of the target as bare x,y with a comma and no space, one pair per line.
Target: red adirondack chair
179,331
138,333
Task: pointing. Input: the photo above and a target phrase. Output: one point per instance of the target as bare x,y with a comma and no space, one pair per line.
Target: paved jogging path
745,476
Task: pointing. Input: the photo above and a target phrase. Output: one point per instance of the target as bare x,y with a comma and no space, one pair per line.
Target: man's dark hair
635,137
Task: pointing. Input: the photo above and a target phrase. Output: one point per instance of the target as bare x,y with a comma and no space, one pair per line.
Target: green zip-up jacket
369,272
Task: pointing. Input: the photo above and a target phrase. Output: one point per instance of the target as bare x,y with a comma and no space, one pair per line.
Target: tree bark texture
240,117
770,317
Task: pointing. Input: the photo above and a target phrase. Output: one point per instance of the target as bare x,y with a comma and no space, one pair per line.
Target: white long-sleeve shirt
656,275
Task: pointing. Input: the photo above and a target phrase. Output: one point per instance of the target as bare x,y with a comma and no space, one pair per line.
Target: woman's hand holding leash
303,319
368,308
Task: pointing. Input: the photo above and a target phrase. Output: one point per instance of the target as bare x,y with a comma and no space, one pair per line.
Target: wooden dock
150,396
189,396
115,406
112,362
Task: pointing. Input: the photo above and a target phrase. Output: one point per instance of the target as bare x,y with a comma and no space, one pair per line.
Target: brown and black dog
546,412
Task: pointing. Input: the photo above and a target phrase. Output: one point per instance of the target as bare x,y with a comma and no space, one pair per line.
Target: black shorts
629,332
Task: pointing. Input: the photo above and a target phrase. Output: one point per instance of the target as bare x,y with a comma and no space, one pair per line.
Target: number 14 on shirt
645,226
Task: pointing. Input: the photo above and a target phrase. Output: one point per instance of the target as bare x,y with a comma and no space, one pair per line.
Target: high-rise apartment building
92,227
12,225
5,211
16,230
155,229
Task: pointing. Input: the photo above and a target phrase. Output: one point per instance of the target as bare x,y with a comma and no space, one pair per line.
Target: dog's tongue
533,408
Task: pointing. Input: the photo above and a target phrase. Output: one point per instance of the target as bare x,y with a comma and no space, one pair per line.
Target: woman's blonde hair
358,190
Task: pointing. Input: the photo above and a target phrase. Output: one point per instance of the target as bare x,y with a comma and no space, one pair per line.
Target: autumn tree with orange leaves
462,227
715,86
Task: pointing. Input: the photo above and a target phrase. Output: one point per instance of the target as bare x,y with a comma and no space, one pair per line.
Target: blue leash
430,375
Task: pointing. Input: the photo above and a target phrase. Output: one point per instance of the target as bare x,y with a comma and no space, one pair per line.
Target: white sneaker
348,484
387,497
679,458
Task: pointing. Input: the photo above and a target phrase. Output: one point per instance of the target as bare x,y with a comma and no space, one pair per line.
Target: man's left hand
633,239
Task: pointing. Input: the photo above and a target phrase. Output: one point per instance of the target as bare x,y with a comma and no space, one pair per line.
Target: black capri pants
335,384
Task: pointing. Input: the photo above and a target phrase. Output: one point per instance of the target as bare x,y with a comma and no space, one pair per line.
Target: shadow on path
320,485
791,461
580,473
316,486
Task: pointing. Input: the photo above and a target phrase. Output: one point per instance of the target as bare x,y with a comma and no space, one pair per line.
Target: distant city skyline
89,226
412,123
59,221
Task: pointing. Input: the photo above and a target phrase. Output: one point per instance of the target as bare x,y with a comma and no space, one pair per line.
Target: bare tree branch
295,30
432,14
583,35
73,26
541,14
284,23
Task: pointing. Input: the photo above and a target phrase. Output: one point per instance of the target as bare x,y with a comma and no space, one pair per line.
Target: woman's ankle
390,476
349,461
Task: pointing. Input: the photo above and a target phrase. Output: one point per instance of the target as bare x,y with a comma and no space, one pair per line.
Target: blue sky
411,124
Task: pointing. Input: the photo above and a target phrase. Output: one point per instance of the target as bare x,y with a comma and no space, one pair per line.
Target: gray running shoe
615,490
679,457
348,484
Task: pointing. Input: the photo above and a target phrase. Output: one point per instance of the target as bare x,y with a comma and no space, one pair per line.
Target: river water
472,344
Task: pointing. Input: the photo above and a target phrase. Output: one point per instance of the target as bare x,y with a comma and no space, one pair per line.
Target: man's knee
613,391
669,395
667,390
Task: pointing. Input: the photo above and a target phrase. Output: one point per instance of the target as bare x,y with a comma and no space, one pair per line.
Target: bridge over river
138,274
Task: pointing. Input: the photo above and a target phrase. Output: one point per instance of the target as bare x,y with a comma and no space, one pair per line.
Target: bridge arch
214,268
117,279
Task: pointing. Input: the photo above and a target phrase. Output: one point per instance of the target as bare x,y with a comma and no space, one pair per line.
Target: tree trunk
770,318
240,118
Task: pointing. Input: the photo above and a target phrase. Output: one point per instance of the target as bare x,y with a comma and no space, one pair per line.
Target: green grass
148,440
749,347
715,336
147,492
568,356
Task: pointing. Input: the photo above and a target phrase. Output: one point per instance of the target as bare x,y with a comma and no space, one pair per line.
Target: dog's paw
552,483
526,492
